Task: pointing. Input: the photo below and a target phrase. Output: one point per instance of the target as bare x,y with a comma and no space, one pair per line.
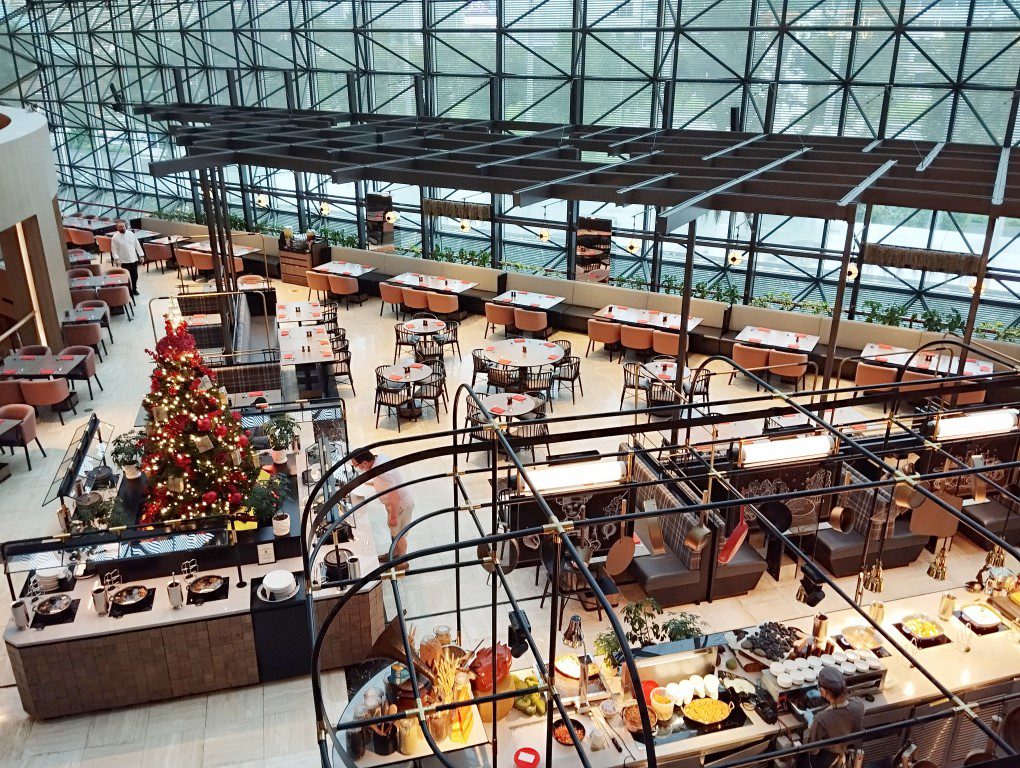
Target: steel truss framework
916,70
478,535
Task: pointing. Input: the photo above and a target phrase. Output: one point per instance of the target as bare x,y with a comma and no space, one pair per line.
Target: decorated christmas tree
196,454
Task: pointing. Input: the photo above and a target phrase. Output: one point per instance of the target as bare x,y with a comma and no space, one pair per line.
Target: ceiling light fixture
262,201
980,424
392,216
852,271
764,452
465,225
734,258
324,209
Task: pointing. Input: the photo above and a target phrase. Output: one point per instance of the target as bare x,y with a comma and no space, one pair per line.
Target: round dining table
508,406
524,353
424,327
407,372
663,370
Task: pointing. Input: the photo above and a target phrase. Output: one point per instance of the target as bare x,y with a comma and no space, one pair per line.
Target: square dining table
78,316
433,282
529,300
100,281
300,312
769,337
345,268
304,345
39,366
660,321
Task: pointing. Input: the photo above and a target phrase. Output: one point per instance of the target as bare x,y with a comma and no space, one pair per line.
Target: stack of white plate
49,578
278,585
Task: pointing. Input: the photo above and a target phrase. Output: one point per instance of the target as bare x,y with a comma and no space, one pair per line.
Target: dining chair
82,238
51,392
157,253
444,305
600,332
105,245
97,304
117,296
427,350
480,365
665,343
535,323
501,315
697,388
394,396
790,367
405,339
24,433
318,282
433,388
755,359
76,272
186,261
340,368
632,380
503,377
639,340
88,335
568,372
34,349
346,289
79,295
391,296
10,391
413,300
540,379
450,337
86,369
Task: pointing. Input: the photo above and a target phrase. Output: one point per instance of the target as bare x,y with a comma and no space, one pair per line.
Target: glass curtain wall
941,70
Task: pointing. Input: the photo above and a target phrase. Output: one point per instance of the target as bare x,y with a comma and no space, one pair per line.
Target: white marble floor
272,725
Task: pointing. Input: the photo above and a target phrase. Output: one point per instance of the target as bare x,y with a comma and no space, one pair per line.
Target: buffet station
209,603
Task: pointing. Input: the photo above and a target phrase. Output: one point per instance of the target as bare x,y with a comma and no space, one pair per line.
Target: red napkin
504,362
984,367
518,341
642,321
288,357
548,344
801,335
496,410
534,303
198,316
675,327
519,398
793,346
971,360
327,354
549,297
490,349
857,427
316,314
764,330
28,357
881,358
324,342
345,272
314,303
66,357
884,346
320,330
505,301
394,377
754,340
47,371
664,377
285,333
281,306
9,372
415,365
553,358
281,317
257,393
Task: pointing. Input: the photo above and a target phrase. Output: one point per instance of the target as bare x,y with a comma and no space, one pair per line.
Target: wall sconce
324,209
543,234
981,424
734,258
852,271
586,474
633,246
764,452
465,225
391,216
262,201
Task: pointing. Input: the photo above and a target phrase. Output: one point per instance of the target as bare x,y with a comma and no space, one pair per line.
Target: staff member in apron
842,717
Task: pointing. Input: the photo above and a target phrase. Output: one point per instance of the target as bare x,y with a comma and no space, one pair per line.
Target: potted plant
647,624
126,452
265,501
280,431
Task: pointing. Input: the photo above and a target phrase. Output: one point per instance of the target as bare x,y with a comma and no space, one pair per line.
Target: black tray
979,630
843,643
220,593
40,621
933,642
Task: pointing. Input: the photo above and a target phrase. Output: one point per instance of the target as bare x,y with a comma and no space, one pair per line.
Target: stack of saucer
49,578
278,585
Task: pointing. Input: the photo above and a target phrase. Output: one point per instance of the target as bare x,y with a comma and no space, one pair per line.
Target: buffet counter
95,661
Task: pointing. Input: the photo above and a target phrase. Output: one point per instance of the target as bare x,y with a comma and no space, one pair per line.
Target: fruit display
772,640
922,627
530,703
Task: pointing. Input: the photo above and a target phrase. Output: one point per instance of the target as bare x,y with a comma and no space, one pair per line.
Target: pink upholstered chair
414,300
82,238
34,349
89,335
202,261
790,367
600,332
74,272
318,282
445,305
535,323
637,339
666,343
156,253
113,271
97,304
498,314
391,295
51,392
67,235
346,289
750,357
78,295
86,369
24,433
117,296
105,244
185,261
10,391
868,374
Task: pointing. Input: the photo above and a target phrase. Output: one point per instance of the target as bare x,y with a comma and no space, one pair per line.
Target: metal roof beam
735,147
851,196
999,189
930,157
532,194
689,210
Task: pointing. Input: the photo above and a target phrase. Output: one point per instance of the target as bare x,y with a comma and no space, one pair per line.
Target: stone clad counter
98,662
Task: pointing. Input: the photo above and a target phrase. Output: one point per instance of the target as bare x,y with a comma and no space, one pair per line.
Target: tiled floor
272,725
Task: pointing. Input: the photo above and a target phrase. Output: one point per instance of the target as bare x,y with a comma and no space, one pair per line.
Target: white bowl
839,657
852,657
784,680
278,582
777,668
814,662
827,660
800,664
862,665
874,662
798,677
847,668
810,676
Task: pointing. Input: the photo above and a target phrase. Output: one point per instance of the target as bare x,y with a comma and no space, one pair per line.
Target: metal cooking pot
53,605
130,595
334,564
205,585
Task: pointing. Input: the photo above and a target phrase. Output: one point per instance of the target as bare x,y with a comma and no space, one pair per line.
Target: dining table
507,406
170,239
40,366
345,268
6,425
664,370
79,316
300,312
92,225
255,398
99,281
305,345
202,320
432,282
406,373
146,235
663,321
932,361
424,326
204,246
775,339
524,353
77,257
529,300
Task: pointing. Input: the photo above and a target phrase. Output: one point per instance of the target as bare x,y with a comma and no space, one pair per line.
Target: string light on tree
195,451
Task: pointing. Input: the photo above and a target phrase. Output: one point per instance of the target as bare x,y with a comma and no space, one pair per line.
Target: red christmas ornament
195,384
209,497
221,430
236,415
235,498
183,461
204,424
242,440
